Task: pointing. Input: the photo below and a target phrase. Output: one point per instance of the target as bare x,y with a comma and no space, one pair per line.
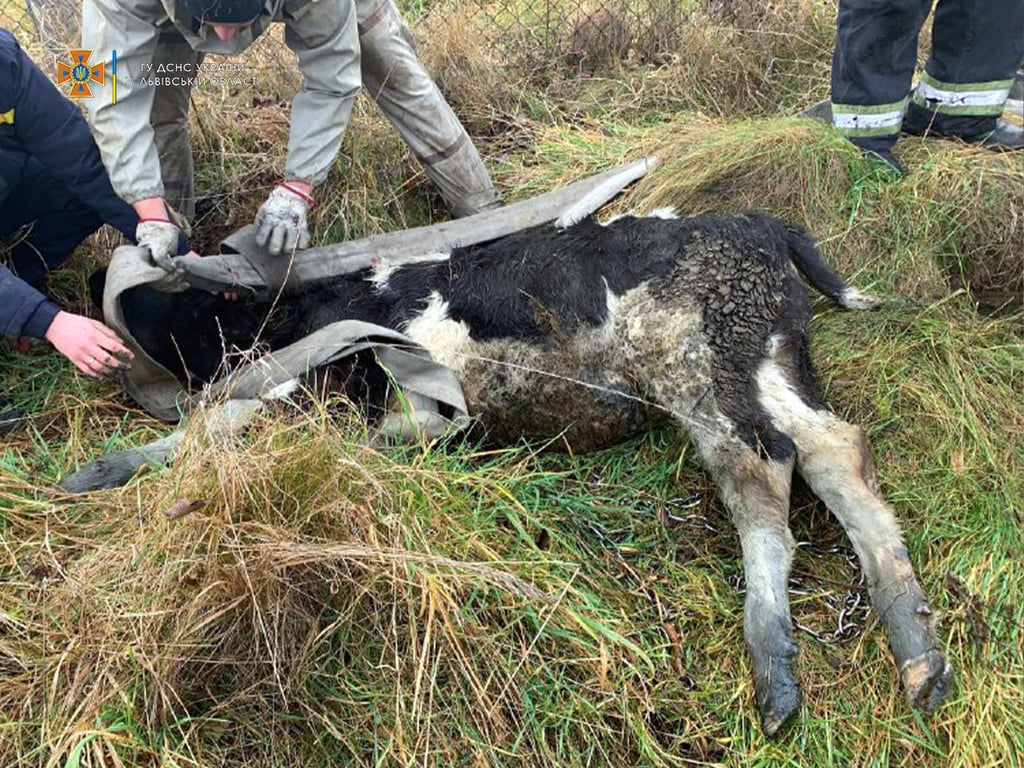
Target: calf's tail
820,274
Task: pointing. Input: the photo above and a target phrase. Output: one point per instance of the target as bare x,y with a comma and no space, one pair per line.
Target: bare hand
94,349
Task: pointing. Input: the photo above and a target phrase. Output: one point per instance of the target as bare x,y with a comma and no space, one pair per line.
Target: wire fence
538,34
587,34
52,23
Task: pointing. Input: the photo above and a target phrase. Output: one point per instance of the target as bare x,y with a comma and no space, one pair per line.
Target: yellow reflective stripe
868,120
862,120
942,85
8,116
961,98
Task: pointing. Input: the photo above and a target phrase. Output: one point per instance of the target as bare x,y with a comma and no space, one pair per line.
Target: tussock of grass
384,601
953,222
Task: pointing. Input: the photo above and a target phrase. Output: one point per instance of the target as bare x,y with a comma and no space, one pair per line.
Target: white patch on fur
386,267
851,298
612,219
826,446
777,396
831,455
772,347
607,329
447,340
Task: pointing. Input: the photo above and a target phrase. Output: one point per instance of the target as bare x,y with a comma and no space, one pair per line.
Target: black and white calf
594,332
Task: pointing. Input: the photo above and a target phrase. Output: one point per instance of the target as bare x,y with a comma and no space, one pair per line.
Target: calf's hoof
778,699
927,680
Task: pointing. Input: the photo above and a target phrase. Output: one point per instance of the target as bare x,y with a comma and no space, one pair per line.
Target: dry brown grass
756,60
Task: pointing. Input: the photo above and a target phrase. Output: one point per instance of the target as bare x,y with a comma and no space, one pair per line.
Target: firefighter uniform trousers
977,46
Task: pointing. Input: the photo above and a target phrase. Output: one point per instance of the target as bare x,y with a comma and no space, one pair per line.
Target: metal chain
849,603
850,607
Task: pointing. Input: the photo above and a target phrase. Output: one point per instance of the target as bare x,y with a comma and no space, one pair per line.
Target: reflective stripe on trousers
876,120
961,98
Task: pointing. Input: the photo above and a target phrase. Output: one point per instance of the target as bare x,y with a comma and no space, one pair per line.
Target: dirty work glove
161,237
281,221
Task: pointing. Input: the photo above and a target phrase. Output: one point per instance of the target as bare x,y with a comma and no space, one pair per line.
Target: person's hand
93,347
281,221
161,237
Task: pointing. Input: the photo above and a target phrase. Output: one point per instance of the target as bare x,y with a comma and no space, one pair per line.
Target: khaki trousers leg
403,90
169,119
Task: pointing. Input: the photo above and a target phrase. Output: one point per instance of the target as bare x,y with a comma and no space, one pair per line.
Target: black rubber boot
1005,137
877,150
883,160
820,111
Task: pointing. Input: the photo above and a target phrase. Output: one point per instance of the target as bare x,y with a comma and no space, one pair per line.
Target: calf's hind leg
756,491
833,457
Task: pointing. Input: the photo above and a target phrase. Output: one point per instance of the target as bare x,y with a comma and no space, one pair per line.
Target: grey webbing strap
246,270
424,383
409,364
161,394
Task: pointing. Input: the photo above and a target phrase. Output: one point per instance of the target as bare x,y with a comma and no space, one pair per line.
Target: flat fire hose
160,393
247,268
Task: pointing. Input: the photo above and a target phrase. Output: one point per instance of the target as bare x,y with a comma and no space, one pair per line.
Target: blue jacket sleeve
53,130
24,311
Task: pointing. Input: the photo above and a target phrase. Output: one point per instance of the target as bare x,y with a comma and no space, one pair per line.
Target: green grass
441,605
444,605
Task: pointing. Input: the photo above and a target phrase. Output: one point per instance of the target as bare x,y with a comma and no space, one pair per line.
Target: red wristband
162,221
308,198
